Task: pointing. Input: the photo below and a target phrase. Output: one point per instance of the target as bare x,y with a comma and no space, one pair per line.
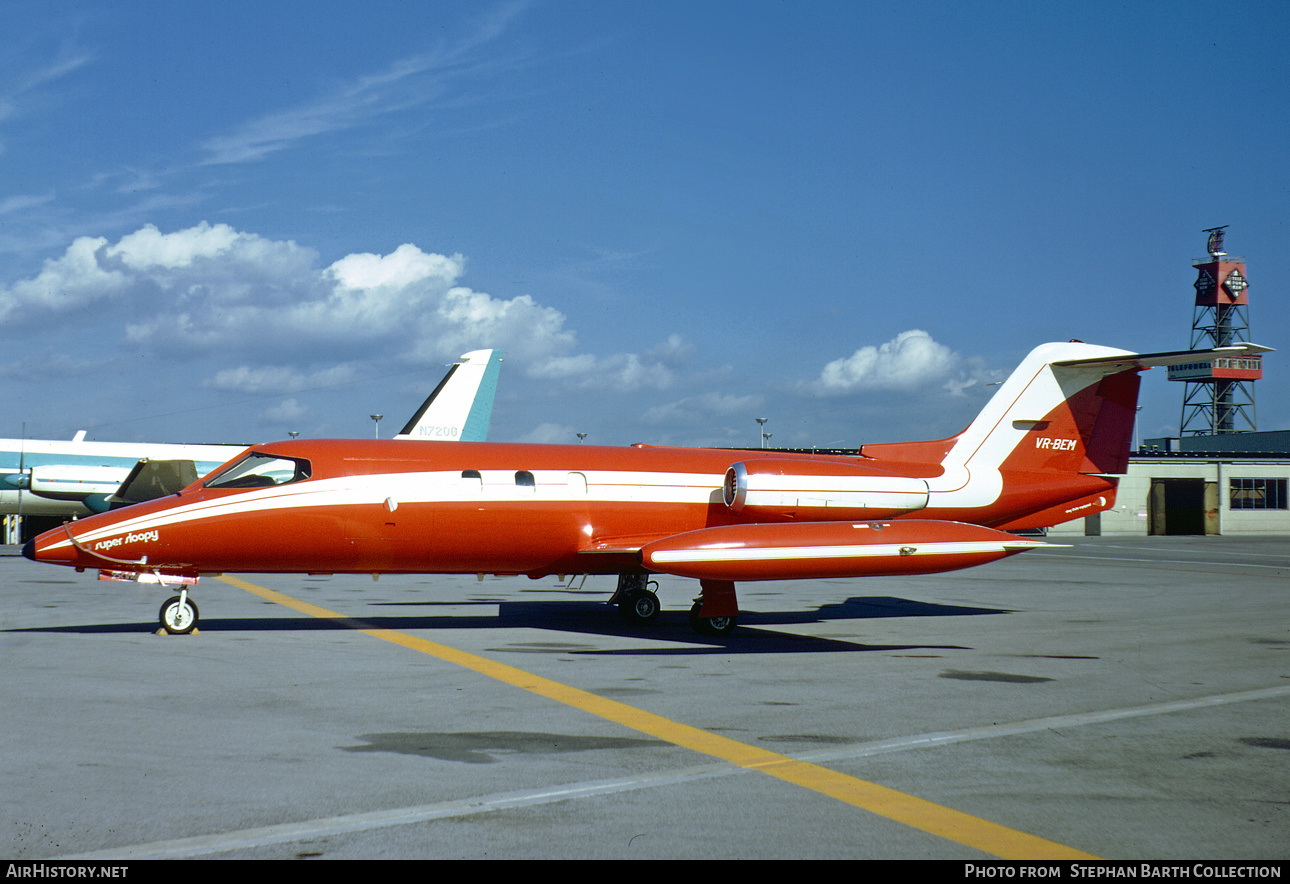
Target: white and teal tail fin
461,407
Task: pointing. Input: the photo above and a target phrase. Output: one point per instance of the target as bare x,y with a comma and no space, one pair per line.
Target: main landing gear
716,610
715,613
636,601
179,615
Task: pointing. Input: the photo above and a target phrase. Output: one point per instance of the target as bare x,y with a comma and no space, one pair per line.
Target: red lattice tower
1219,393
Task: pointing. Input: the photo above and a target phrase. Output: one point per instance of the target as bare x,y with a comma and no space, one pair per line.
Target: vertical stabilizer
1062,420
1053,395
461,407
1063,403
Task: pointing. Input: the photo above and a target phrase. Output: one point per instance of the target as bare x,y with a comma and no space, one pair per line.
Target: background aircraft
1041,452
41,477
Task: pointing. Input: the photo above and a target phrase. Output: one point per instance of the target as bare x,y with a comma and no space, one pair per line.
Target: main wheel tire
715,627
179,619
640,606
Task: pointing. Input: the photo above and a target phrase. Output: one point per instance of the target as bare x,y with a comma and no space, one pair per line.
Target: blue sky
225,223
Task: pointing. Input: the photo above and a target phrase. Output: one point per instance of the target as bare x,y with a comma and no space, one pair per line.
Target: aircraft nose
52,548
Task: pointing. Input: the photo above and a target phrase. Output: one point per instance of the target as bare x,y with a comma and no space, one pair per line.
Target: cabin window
472,481
257,470
524,479
577,484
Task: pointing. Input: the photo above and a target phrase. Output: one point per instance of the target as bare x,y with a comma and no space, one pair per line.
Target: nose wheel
179,615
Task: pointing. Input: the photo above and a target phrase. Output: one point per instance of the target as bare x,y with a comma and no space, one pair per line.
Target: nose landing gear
179,615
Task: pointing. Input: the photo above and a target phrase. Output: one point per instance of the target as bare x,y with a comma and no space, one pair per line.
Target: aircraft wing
149,480
619,545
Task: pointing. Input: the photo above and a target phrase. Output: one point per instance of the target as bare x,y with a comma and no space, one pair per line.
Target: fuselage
384,506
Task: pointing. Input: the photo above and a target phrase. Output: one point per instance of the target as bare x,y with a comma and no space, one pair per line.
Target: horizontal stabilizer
1131,361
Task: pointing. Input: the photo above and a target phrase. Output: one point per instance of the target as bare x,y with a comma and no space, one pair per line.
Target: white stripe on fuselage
426,487
772,553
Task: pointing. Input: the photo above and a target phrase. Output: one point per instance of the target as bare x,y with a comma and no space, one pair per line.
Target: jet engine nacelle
63,482
819,490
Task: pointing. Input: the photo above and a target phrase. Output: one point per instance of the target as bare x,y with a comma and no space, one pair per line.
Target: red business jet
1038,454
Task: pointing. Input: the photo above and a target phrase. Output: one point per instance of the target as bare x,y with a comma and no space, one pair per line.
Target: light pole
762,422
376,418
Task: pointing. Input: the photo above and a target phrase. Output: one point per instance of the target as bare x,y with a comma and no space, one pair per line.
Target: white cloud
69,283
22,201
270,310
673,352
561,367
23,88
622,372
529,331
404,266
696,409
974,373
149,248
212,287
909,360
52,364
230,312
288,410
408,82
279,379
550,434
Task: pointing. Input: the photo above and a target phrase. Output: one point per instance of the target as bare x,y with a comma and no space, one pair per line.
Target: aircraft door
394,532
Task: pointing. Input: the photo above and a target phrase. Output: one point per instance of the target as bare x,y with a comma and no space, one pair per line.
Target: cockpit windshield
257,470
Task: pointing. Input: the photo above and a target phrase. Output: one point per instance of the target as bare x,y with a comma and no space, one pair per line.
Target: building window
1258,494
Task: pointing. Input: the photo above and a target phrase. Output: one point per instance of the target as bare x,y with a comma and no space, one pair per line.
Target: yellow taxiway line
917,813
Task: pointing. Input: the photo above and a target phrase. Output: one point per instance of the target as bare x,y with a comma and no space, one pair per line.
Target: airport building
1198,492
1220,476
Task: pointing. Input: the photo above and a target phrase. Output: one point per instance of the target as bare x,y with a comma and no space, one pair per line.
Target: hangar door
1182,506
